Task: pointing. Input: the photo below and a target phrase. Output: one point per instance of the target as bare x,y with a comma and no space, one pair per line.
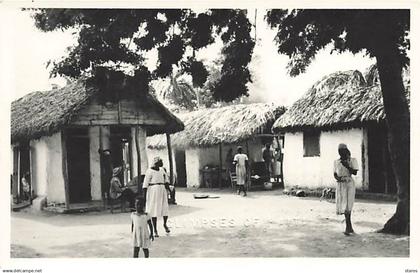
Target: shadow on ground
91,218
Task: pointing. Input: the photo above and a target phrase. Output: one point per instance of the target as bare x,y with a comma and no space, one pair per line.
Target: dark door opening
24,171
121,151
14,187
78,165
181,170
381,177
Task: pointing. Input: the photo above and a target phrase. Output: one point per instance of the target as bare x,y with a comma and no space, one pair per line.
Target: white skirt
344,195
240,175
157,201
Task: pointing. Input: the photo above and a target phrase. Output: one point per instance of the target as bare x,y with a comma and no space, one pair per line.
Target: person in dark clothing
106,170
268,157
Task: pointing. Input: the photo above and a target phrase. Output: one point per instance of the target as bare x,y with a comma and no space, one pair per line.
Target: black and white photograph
247,131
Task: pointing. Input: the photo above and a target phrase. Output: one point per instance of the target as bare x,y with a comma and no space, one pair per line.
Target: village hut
340,108
202,147
57,135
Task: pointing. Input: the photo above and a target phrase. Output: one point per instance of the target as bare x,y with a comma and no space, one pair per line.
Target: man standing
106,170
344,168
268,157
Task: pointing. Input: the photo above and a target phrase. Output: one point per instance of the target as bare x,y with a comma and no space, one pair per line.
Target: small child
142,229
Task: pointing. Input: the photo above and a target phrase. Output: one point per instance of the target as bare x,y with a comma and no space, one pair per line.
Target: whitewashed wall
317,172
39,150
55,181
95,166
192,163
145,157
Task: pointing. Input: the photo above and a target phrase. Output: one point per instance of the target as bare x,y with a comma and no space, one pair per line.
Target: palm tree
179,91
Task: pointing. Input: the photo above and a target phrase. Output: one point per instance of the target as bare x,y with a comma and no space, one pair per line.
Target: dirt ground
264,224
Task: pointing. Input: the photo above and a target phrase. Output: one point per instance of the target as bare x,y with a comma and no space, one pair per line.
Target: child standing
142,229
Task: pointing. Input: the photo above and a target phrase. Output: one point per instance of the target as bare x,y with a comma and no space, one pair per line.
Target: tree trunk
138,159
398,123
171,164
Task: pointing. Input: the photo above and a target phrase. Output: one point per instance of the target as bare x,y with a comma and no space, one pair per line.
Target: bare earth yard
264,224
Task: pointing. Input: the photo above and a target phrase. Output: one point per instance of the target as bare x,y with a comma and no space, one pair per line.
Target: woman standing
344,168
241,162
156,194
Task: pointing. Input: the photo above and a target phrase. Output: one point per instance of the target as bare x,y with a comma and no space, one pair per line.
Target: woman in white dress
241,162
156,194
344,168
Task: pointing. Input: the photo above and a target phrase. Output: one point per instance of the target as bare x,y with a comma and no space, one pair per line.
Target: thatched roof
44,113
229,124
339,100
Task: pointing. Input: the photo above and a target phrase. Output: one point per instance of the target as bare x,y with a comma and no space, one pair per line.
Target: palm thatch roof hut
58,137
207,130
341,100
45,113
344,107
229,124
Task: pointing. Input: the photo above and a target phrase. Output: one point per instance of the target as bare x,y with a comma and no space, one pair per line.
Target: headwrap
342,146
156,160
116,171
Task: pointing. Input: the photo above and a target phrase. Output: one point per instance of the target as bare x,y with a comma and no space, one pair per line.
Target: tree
382,34
112,43
179,91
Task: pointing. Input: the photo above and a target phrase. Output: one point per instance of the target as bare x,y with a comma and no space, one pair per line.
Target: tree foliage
302,33
116,40
182,94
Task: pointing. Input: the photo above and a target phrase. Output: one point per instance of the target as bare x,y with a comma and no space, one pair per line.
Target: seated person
117,191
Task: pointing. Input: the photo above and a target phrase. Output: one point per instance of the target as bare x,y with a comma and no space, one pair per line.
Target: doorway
78,162
24,171
181,170
121,151
381,177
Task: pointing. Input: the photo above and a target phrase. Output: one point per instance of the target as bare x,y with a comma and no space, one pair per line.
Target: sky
29,50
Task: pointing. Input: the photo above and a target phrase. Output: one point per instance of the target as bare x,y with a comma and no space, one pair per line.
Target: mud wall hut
57,135
340,108
210,133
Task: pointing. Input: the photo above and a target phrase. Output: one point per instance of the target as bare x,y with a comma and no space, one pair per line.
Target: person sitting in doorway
117,191
26,189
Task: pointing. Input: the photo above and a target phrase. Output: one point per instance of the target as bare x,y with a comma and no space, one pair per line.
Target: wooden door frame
64,163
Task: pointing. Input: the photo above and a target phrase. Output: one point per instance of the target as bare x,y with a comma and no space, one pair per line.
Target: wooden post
138,159
248,170
220,165
18,177
101,173
171,168
119,111
15,175
64,167
30,175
